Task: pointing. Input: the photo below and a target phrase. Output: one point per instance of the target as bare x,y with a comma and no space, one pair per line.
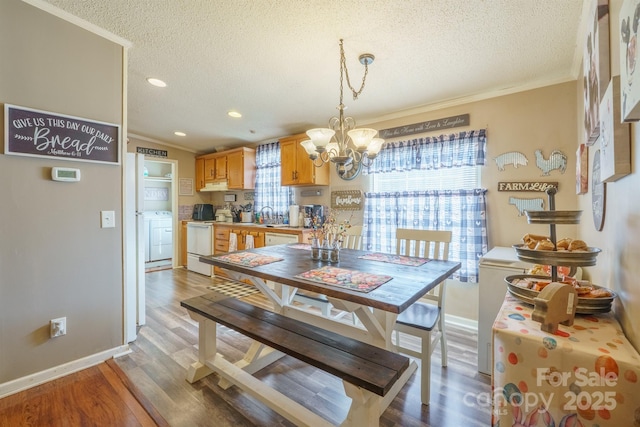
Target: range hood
216,186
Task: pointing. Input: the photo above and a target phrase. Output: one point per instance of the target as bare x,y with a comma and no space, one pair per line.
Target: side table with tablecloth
583,375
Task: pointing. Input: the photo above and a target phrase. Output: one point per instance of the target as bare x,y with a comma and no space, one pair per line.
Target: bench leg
257,357
206,348
365,407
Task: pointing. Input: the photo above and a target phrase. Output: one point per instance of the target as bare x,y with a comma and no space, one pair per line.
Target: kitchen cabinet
199,174
236,167
241,169
183,243
296,167
220,167
209,169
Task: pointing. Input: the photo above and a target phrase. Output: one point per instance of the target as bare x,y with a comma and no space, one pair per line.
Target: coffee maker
314,212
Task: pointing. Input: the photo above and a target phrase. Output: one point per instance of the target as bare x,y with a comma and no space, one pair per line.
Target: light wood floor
167,345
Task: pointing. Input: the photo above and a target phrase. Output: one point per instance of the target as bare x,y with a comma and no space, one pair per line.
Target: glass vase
315,249
334,254
325,250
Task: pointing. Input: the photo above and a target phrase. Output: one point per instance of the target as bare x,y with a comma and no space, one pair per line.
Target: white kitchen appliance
199,243
158,228
494,266
224,215
271,239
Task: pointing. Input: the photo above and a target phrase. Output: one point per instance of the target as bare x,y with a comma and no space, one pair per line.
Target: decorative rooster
557,160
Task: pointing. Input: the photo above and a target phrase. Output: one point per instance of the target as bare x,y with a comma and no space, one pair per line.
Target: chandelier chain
343,67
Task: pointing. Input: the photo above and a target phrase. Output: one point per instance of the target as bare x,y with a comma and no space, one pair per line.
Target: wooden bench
369,373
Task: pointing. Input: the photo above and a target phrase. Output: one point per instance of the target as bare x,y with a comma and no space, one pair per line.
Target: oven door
194,264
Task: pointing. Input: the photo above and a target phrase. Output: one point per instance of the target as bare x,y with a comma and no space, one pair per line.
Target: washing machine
158,235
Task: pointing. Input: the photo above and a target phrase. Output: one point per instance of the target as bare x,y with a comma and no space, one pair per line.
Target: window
430,184
268,190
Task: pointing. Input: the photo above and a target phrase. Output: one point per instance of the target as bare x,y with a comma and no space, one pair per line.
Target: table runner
395,259
248,259
341,277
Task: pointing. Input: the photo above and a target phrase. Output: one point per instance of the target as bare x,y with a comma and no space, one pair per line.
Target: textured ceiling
277,61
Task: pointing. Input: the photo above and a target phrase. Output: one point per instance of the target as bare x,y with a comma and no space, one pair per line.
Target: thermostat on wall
65,174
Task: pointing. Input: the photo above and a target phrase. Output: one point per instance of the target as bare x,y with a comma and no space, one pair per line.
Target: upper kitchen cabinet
220,162
199,173
241,168
236,168
297,168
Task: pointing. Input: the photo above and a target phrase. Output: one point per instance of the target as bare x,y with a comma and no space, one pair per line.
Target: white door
134,305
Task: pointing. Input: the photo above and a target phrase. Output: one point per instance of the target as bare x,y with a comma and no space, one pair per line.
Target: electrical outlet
58,327
107,219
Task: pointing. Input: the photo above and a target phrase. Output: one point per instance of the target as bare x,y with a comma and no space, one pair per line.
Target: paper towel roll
293,215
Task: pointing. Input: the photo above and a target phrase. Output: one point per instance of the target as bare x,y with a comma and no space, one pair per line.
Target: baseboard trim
461,322
24,383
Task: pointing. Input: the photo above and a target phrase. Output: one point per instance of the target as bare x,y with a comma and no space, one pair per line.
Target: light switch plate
107,219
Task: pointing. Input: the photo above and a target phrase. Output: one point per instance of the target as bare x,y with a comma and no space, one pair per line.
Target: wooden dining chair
353,238
425,318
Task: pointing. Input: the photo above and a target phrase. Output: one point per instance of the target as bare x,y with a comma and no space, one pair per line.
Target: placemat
341,277
248,259
303,246
395,259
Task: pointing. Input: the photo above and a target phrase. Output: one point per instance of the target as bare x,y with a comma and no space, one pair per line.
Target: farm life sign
428,126
347,200
37,133
526,186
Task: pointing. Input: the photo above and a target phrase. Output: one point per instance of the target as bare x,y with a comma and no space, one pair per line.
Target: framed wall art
598,193
615,137
582,169
629,89
38,133
596,67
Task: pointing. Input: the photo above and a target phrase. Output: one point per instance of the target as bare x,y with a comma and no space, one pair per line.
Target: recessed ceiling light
178,133
234,114
156,82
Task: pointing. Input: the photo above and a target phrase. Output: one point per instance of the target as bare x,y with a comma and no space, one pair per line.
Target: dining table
374,287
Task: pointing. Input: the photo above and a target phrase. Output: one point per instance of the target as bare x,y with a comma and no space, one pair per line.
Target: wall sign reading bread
37,133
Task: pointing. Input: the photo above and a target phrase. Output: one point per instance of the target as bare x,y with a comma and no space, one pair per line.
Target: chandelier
332,144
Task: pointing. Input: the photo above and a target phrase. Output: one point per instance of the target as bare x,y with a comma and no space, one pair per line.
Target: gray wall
55,260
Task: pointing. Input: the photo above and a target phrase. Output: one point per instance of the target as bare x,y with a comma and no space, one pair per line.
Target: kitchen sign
428,126
37,133
347,200
151,152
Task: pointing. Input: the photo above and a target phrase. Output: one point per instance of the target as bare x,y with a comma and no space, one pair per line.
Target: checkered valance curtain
268,190
463,212
444,151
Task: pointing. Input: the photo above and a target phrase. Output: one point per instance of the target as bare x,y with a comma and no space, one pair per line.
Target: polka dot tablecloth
583,375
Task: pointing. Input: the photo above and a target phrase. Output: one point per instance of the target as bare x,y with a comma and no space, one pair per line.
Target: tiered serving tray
568,258
585,305
553,217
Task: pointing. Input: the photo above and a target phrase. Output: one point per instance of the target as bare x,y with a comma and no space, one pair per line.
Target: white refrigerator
494,266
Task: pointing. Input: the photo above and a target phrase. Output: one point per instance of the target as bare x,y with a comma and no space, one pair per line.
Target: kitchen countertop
277,228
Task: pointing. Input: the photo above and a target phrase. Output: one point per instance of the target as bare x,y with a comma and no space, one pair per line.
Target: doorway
150,183
160,213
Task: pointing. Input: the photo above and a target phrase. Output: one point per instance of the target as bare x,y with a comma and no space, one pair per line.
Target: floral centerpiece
327,236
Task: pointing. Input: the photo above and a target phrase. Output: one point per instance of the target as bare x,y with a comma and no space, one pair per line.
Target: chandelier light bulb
321,136
362,137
